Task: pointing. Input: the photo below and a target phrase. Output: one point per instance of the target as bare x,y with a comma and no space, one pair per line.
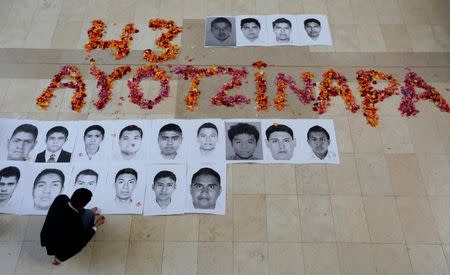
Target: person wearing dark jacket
68,227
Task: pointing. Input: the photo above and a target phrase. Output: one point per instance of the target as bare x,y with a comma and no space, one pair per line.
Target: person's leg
87,218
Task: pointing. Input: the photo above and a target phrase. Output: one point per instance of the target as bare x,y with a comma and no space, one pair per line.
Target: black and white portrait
94,142
48,180
91,177
207,189
124,190
220,32
13,176
166,188
243,141
128,141
319,141
251,30
280,141
21,138
169,140
282,29
208,140
315,29
56,142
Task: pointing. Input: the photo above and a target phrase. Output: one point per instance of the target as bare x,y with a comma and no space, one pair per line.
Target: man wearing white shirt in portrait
319,141
93,137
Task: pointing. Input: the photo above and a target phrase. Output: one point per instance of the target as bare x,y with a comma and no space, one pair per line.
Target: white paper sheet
312,33
13,185
208,141
167,144
280,146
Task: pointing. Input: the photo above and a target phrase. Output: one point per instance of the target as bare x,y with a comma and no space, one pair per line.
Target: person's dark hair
220,20
311,20
170,127
165,174
87,172
80,198
26,128
58,129
131,128
95,127
204,172
10,171
126,171
250,20
281,20
279,128
317,128
50,171
207,125
242,128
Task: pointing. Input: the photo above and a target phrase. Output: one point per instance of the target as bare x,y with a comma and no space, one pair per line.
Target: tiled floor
383,210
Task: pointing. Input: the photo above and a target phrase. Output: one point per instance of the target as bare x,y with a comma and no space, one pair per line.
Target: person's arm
100,221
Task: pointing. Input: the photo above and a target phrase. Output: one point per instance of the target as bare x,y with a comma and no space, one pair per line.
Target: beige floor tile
78,264
337,8
321,258
345,37
404,172
417,220
349,219
312,6
436,173
218,7
34,227
428,259
413,13
388,12
33,260
282,218
41,32
446,249
215,258
18,91
253,175
194,11
146,9
395,135
343,178
439,207
316,219
392,259
343,135
442,36
312,180
370,36
290,7
9,255
180,258
356,259
388,108
109,257
383,220
66,34
280,179
444,131
373,174
148,228
144,257
216,228
250,221
182,228
425,135
285,258
422,38
243,7
250,258
116,228
365,139
396,38
13,228
71,11
363,15
121,10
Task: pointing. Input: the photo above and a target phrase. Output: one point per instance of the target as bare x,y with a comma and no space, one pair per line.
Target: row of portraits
139,188
170,141
267,30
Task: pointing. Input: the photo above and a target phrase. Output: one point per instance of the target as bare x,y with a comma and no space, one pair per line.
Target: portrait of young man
207,137
92,138
86,178
220,32
130,139
22,142
164,184
314,29
170,138
205,188
282,28
124,184
319,140
244,138
48,184
9,179
280,141
55,139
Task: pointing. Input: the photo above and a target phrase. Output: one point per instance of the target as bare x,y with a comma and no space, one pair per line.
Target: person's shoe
56,261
